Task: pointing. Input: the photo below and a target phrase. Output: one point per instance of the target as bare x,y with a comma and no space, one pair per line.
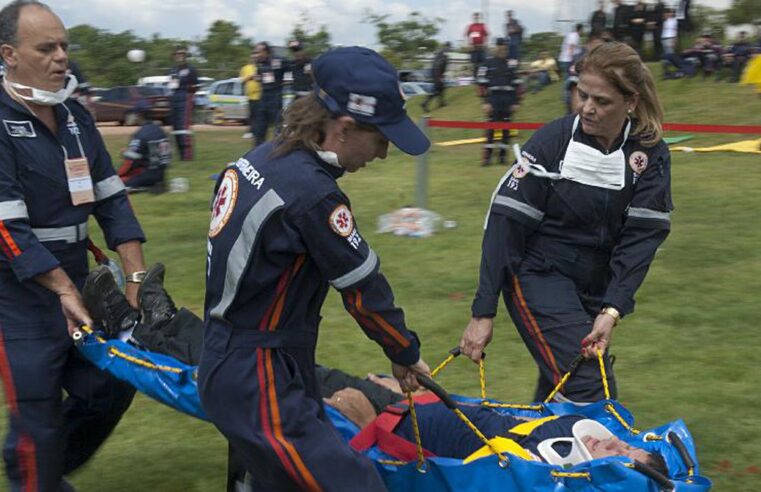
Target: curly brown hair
303,126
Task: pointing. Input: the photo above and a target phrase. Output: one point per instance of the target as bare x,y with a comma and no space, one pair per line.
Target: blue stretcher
174,384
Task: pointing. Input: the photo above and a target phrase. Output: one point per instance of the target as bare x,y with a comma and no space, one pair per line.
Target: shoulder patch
638,161
341,221
224,202
21,129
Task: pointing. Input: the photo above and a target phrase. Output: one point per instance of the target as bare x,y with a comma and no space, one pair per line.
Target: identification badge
173,84
80,182
268,78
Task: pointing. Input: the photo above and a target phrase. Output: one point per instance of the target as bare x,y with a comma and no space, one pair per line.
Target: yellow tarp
746,146
752,73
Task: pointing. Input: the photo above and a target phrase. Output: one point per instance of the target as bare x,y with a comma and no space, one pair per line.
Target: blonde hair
304,123
622,67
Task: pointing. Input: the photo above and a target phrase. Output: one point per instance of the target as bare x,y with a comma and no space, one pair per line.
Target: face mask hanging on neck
41,97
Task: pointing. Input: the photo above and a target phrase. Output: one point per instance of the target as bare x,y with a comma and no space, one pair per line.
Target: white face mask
589,166
42,97
329,157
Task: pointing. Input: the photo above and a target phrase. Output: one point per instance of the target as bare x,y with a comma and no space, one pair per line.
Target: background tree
405,41
549,41
224,49
744,11
315,42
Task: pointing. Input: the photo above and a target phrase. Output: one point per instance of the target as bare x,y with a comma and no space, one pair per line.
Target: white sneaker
248,135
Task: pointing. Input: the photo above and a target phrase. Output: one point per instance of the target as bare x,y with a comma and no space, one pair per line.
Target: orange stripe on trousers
306,475
534,330
264,411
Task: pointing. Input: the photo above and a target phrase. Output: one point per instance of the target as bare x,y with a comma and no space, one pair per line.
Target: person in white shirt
570,48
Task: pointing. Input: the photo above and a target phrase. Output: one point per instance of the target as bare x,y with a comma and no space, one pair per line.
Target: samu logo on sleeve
20,129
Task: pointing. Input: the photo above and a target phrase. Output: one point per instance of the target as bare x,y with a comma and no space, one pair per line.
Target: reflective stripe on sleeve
108,187
521,207
366,268
647,213
241,251
131,154
13,209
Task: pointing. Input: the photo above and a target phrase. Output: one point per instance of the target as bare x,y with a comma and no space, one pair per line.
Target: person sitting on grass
147,156
159,326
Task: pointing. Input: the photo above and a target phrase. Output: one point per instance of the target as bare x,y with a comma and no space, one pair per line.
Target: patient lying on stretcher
160,327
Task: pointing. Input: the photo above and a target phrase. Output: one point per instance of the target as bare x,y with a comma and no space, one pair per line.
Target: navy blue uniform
497,76
560,250
269,73
40,230
444,434
183,82
301,71
147,157
281,233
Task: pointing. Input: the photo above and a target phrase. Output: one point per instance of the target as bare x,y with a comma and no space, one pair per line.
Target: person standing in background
253,90
183,81
514,33
598,22
438,72
301,70
477,41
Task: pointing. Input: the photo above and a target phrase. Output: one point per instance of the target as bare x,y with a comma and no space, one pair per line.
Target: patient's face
603,448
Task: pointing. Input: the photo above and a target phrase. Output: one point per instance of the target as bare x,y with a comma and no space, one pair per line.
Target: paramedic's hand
476,337
130,292
74,310
406,374
599,337
487,109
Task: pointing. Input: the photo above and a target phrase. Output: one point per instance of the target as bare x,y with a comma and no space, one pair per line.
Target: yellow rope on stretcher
392,462
603,374
482,377
560,474
480,435
127,357
143,363
519,406
443,364
416,431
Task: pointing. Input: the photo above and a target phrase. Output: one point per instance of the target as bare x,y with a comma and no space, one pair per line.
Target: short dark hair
9,19
579,27
265,45
658,463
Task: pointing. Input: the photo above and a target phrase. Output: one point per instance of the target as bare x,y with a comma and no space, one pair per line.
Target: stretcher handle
653,474
437,390
674,439
455,352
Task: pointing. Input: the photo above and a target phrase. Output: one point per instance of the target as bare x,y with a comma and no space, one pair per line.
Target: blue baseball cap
360,83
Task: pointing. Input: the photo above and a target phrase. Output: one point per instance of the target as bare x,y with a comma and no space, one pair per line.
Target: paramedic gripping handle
437,390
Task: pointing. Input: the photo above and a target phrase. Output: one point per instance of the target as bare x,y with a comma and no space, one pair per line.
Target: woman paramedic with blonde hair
574,226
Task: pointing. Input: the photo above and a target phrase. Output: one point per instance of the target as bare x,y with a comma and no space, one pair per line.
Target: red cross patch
341,221
224,202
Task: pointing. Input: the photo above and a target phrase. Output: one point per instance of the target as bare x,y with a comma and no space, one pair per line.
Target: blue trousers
265,401
48,436
267,114
182,118
553,301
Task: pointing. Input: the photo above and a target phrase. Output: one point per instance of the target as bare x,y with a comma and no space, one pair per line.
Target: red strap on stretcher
380,432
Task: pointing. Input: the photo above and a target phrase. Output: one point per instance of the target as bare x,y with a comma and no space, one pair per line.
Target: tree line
224,49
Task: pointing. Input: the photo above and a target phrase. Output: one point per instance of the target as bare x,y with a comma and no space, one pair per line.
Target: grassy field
690,351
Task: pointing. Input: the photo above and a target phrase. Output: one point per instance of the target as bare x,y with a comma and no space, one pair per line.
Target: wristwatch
611,311
136,277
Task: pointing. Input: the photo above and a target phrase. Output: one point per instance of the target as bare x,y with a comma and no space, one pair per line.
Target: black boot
156,305
107,304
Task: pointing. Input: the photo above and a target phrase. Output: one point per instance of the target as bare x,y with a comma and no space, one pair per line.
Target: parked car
416,88
116,103
227,101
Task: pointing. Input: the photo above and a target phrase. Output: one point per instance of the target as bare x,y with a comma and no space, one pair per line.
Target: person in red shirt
477,36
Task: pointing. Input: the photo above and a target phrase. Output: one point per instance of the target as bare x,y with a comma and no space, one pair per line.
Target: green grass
690,350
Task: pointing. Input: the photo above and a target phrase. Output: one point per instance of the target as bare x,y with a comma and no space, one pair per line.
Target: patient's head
353,404
613,446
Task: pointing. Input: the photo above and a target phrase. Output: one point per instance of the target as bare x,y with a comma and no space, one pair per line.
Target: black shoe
156,305
107,304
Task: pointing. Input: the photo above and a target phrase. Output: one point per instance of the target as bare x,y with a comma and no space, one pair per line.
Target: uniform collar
59,111
332,167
